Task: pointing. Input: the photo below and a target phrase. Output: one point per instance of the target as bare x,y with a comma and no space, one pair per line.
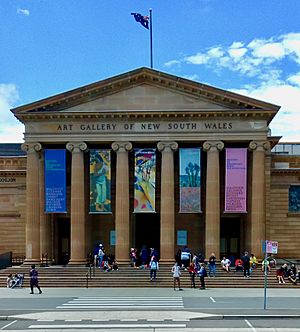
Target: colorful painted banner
100,181
144,180
55,181
236,180
190,180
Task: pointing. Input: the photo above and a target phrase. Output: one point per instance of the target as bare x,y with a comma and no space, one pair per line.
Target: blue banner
55,181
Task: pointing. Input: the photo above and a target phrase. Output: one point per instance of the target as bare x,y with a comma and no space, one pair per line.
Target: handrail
88,275
87,279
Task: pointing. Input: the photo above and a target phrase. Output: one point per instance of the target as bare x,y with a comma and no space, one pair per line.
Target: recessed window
294,199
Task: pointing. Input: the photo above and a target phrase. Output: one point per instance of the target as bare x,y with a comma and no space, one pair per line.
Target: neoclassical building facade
144,109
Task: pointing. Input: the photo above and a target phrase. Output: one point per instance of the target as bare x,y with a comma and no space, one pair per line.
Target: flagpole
151,46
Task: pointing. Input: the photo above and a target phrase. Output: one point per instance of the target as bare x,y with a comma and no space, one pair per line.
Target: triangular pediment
143,90
146,97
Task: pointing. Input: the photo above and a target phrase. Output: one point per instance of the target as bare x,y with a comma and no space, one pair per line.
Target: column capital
167,146
259,146
121,146
76,146
31,147
213,146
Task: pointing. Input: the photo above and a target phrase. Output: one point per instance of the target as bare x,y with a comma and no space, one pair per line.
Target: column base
31,261
123,261
79,261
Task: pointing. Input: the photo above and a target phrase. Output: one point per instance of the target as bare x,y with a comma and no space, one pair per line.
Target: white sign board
271,247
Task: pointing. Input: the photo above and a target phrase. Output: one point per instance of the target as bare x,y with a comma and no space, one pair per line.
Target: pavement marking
45,320
213,300
7,325
250,325
106,326
122,302
106,315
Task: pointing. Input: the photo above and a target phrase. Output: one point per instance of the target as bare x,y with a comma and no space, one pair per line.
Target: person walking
153,268
101,254
176,275
34,280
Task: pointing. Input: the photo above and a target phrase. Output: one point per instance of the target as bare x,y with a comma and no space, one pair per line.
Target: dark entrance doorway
147,230
63,231
230,234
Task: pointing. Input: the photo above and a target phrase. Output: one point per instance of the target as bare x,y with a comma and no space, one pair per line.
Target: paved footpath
150,309
217,302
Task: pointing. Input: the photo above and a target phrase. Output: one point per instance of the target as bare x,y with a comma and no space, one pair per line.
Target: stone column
45,219
32,227
258,209
212,210
122,225
78,254
167,206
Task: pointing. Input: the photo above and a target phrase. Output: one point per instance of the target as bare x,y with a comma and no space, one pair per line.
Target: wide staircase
126,276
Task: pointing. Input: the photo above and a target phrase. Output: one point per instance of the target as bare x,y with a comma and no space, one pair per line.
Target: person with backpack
153,268
101,253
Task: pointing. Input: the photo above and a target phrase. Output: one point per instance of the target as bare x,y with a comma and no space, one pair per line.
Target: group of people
145,259
13,281
104,261
194,264
290,273
244,263
142,259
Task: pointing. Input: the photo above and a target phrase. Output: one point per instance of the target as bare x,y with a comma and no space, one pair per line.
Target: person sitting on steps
225,264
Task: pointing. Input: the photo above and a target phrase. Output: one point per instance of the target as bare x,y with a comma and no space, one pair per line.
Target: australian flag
144,20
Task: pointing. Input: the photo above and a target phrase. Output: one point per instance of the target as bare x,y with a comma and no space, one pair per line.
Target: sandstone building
148,109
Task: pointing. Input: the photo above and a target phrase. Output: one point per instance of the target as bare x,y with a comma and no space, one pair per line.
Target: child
192,272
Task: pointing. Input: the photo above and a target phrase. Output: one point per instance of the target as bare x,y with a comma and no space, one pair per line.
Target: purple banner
236,180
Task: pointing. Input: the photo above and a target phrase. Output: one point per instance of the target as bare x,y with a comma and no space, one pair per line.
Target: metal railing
18,260
90,272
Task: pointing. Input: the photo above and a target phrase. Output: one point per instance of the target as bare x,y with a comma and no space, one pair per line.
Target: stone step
129,277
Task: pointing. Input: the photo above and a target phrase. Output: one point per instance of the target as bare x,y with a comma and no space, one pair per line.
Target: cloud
24,12
294,79
172,63
271,67
285,95
11,130
256,59
193,77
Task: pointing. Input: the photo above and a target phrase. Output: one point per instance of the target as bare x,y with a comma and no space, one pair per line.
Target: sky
251,47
